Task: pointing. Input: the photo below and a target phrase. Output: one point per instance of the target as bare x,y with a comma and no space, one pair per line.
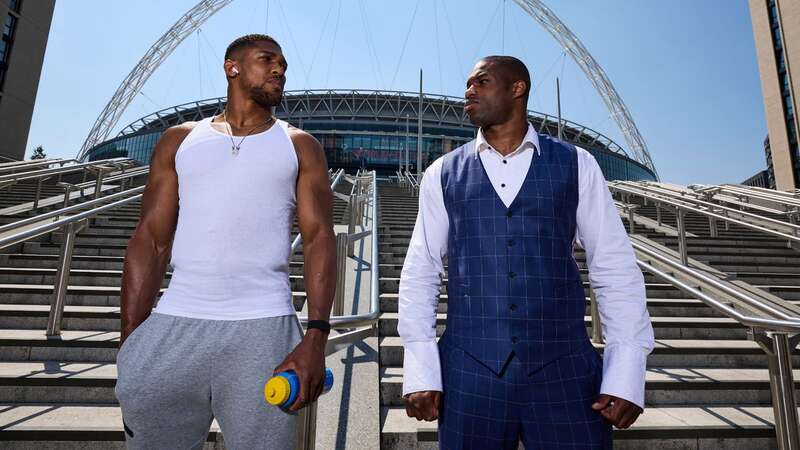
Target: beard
265,98
477,119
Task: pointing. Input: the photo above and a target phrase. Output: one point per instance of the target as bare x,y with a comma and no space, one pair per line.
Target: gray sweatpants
176,374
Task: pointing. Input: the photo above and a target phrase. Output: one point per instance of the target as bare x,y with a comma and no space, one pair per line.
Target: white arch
206,8
595,74
133,83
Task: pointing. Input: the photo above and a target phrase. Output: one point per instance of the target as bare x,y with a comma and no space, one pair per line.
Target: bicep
314,195
160,198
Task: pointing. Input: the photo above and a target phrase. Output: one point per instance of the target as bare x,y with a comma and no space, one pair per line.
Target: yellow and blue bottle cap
277,390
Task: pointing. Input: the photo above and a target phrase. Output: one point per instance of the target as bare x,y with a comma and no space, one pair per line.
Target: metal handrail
688,208
306,436
370,318
785,320
692,196
787,205
753,321
781,195
777,335
9,240
21,165
412,182
32,175
76,222
25,235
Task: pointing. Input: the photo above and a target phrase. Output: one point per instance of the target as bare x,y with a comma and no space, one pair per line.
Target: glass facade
785,86
138,147
617,167
7,39
369,130
382,152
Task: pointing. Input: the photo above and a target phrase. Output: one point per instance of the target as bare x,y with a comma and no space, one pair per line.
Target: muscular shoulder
170,141
302,140
309,150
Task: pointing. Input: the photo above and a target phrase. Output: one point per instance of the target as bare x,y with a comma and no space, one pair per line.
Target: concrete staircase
707,385
59,393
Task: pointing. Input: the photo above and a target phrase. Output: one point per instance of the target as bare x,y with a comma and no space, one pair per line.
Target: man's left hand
617,411
307,360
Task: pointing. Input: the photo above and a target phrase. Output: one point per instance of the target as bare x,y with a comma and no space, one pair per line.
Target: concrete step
35,294
70,427
88,249
95,277
34,317
658,307
663,327
709,353
723,427
663,386
72,346
56,382
88,262
654,289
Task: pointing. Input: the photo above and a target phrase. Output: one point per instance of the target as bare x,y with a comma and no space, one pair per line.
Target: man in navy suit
515,362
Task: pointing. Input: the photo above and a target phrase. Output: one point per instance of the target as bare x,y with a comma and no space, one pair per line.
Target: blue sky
686,69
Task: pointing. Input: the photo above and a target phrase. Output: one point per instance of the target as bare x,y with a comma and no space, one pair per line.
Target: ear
231,69
518,88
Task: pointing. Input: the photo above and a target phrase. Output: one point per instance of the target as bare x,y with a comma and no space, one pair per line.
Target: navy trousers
549,409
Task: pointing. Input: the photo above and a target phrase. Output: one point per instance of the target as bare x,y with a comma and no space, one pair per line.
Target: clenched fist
423,405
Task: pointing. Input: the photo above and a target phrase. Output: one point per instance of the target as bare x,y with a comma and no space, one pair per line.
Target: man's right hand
123,334
423,405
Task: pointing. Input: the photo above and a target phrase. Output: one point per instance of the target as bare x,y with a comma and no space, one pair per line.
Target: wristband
322,325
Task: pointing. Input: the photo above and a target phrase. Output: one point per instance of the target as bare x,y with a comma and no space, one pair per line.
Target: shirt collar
531,139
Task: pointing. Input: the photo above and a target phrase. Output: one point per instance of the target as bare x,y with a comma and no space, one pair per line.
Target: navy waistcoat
513,283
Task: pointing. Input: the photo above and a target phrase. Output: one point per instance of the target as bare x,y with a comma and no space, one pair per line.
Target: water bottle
282,389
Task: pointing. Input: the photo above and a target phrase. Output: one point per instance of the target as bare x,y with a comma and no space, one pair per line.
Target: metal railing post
307,428
658,213
712,226
342,240
681,215
778,347
351,224
67,191
794,214
597,331
62,278
38,193
631,222
99,182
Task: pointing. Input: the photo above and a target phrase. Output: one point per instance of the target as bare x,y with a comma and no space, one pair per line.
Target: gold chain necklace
229,129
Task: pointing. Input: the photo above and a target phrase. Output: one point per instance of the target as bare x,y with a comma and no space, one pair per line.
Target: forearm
320,274
142,274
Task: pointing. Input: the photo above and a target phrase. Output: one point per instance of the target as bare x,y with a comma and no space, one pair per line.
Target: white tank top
232,242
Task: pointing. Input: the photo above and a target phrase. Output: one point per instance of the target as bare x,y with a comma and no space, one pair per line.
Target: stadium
362,129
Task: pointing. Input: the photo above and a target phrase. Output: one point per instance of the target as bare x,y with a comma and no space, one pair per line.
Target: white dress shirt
615,277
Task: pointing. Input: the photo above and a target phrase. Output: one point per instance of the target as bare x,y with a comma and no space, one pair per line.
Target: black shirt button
509,214
505,162
513,307
511,274
510,242
503,185
514,339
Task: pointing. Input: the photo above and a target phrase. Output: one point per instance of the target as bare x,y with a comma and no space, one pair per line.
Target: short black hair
247,41
512,69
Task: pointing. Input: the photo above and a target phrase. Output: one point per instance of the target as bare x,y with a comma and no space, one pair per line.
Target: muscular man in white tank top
219,203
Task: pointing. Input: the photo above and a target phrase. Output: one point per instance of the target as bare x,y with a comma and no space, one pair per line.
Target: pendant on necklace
234,150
